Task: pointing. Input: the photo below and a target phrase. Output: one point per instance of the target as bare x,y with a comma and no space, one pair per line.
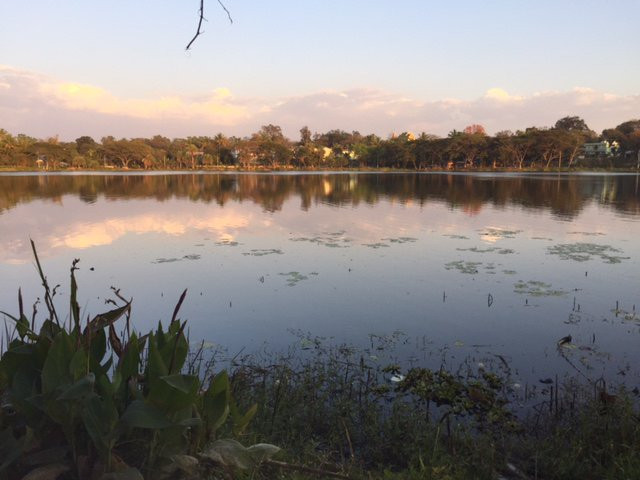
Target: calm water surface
448,266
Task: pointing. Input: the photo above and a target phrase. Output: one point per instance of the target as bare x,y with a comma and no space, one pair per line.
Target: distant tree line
534,148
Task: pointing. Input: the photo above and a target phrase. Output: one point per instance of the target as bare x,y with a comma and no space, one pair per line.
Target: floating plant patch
375,245
330,239
166,260
588,234
192,256
498,233
535,288
263,252
401,240
227,243
582,252
463,266
456,237
509,272
293,278
500,251
542,238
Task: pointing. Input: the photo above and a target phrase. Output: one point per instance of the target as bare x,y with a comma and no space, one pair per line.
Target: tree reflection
564,195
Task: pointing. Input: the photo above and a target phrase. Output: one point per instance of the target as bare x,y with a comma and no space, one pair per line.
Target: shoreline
233,169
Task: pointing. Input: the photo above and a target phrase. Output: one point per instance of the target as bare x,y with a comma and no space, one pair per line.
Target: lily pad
263,252
376,245
495,232
536,288
293,278
463,266
456,237
582,252
500,251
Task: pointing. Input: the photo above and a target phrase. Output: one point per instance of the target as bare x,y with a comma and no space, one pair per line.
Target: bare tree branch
225,9
201,18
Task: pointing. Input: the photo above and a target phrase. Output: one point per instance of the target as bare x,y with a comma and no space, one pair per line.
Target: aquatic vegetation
499,233
227,243
401,240
498,250
83,400
509,272
582,252
193,256
375,245
542,238
536,288
456,237
463,266
293,278
263,252
329,239
588,234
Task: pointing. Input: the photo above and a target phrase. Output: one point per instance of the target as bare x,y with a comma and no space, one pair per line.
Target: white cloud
41,106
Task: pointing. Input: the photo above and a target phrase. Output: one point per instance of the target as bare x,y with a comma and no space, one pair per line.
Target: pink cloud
37,105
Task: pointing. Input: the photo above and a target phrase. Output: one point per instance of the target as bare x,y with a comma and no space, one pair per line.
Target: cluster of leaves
86,402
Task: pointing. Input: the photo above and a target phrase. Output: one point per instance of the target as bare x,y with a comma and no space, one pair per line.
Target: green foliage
89,402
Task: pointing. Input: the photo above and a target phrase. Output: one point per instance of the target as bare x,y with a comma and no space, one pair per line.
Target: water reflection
563,195
347,255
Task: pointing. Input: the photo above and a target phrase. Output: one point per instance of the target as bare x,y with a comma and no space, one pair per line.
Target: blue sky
397,61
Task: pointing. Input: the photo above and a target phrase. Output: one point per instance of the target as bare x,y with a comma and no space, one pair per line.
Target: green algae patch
499,233
192,256
509,272
536,288
262,252
227,243
401,240
293,278
328,239
498,250
462,266
587,234
456,237
375,245
583,252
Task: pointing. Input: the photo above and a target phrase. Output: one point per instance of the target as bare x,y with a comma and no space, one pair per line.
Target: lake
420,268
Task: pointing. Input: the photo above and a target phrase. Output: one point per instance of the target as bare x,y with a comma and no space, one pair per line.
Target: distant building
598,149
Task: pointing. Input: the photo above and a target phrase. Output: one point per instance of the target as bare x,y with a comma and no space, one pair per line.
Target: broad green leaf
100,418
129,362
80,389
230,453
240,422
262,451
185,383
55,371
215,410
79,365
142,415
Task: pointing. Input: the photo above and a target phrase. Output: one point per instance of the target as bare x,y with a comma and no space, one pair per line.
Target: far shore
263,169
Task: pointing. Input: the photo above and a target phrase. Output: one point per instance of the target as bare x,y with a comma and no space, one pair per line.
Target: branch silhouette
201,19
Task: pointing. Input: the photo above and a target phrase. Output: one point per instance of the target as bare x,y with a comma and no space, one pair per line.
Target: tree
573,124
475,129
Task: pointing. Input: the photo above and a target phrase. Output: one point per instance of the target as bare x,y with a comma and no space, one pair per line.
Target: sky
117,67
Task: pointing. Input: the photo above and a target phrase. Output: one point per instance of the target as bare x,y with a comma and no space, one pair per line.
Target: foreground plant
86,402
